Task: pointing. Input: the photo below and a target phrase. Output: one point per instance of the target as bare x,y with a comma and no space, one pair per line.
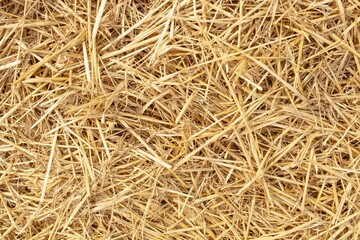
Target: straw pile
179,119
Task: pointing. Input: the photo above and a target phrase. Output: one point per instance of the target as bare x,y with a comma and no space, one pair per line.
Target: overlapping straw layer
179,119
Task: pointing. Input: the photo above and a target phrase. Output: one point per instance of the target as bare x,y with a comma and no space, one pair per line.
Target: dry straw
179,119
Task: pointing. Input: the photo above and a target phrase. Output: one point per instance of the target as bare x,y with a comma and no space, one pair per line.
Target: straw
179,119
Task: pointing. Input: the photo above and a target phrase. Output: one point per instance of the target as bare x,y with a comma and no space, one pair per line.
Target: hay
179,119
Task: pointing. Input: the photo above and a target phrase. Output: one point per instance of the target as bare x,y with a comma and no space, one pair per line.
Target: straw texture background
179,119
